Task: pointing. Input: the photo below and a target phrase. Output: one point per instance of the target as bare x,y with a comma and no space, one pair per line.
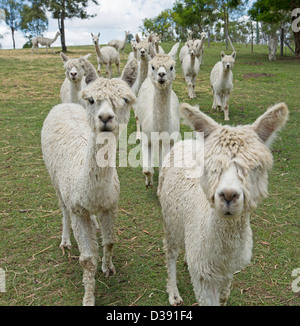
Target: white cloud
113,18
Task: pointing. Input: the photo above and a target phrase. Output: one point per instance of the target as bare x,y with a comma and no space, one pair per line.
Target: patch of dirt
252,63
257,75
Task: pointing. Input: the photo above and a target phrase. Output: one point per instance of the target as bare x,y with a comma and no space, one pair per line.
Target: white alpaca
201,57
134,54
118,44
155,40
158,109
75,79
45,41
221,80
190,68
199,45
144,52
106,56
272,47
208,215
73,148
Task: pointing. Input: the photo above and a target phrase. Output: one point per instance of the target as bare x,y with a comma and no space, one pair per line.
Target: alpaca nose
228,195
105,118
161,74
228,66
73,74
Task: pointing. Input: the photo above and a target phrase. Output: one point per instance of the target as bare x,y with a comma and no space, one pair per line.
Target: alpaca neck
75,88
125,40
162,108
98,50
143,70
55,38
193,60
95,179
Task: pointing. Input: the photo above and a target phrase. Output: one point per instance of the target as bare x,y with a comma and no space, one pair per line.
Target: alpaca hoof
88,301
65,244
110,271
175,300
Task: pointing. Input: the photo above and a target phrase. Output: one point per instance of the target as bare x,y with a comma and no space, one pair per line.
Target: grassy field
30,219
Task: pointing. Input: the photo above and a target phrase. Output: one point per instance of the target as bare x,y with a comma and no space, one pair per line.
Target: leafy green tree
34,19
163,24
67,9
277,12
12,9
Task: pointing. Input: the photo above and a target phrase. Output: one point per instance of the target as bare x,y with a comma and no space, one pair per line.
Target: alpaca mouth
162,81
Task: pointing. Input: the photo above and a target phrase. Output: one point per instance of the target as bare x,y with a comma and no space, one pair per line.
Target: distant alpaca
144,52
208,214
190,68
118,44
71,143
158,108
75,80
44,41
221,80
272,46
106,56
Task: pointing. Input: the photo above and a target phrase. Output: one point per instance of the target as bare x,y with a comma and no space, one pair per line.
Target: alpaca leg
85,235
65,239
172,251
206,292
225,291
218,102
51,49
107,71
107,219
138,129
214,106
99,69
118,68
226,108
110,71
193,86
147,164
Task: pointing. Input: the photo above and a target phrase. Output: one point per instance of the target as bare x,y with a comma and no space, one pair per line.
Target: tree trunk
13,37
297,43
281,41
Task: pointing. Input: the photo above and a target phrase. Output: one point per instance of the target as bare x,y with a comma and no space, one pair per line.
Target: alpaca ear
174,51
198,120
99,34
223,54
233,55
63,57
86,57
152,51
137,38
268,124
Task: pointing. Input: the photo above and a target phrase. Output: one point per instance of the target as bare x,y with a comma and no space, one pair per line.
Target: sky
114,17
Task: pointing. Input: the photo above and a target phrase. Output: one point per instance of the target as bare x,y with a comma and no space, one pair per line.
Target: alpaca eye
153,68
171,68
126,100
91,100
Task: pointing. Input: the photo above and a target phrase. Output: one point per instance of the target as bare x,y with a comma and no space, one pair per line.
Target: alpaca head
162,71
107,102
192,46
203,35
95,38
236,159
74,71
144,48
228,61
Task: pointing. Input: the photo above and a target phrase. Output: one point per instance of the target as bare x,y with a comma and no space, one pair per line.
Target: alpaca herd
207,214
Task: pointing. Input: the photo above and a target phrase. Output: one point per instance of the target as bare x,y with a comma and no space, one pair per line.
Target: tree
34,19
67,9
12,10
163,24
277,12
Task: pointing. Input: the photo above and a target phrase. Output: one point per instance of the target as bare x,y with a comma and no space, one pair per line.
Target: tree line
30,16
224,18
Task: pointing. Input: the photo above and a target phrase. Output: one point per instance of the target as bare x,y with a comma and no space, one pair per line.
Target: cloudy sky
113,18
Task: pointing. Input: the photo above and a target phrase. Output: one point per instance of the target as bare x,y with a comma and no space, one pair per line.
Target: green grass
30,220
